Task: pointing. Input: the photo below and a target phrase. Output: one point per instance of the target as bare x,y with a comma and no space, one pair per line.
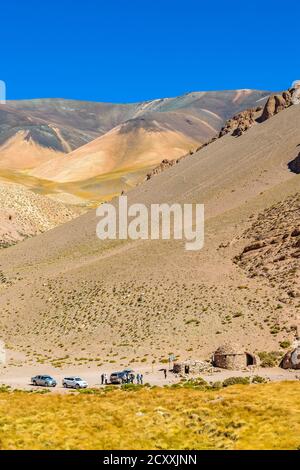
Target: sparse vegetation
236,381
269,359
257,379
285,344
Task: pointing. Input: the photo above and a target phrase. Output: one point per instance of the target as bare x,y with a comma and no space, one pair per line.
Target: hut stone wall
230,361
191,367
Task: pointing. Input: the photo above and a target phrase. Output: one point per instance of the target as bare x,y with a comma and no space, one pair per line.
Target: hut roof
229,348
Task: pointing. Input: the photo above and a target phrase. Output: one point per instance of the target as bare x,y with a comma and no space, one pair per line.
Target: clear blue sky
130,50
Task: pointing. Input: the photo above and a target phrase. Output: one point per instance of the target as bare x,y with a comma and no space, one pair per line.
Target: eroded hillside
274,248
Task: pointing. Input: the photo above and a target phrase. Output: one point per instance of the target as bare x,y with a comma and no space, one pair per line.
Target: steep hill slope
137,301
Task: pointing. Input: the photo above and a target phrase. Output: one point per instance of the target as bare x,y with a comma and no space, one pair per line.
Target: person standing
165,373
141,379
138,378
102,379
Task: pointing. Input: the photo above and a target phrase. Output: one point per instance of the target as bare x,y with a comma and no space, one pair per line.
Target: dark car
118,377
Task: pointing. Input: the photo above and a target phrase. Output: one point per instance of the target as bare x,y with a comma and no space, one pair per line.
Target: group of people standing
139,379
128,378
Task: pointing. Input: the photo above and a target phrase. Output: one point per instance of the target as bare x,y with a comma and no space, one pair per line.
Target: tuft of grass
285,344
257,379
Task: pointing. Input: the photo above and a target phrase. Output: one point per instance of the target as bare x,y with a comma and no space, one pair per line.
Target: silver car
43,381
74,382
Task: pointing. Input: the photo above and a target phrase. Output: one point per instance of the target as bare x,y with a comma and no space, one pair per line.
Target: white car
74,382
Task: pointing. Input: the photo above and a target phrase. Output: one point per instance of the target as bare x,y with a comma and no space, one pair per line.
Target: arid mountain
26,142
36,134
137,144
94,119
90,302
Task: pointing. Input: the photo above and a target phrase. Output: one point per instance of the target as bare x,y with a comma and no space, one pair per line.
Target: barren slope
120,301
24,214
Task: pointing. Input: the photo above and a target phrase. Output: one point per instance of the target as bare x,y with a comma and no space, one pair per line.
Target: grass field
264,416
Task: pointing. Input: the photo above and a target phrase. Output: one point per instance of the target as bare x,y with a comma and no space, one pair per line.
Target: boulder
275,104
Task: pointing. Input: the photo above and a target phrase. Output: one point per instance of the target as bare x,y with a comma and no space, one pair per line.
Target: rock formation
272,249
240,123
275,104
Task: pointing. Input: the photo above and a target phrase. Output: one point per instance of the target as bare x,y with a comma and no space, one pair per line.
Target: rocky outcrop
272,248
275,104
294,165
291,360
243,121
240,123
164,165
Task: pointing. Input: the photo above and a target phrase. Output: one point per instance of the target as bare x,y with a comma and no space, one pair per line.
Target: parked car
44,381
74,382
118,377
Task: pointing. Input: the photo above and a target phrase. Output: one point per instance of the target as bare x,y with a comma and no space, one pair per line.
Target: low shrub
236,381
198,383
285,344
257,379
217,385
269,359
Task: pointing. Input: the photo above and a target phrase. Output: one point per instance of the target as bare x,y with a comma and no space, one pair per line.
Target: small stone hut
231,356
291,360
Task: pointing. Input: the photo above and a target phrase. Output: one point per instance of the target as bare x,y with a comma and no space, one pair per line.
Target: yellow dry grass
265,416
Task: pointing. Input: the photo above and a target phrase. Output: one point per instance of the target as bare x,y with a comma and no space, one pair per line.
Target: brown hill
138,143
